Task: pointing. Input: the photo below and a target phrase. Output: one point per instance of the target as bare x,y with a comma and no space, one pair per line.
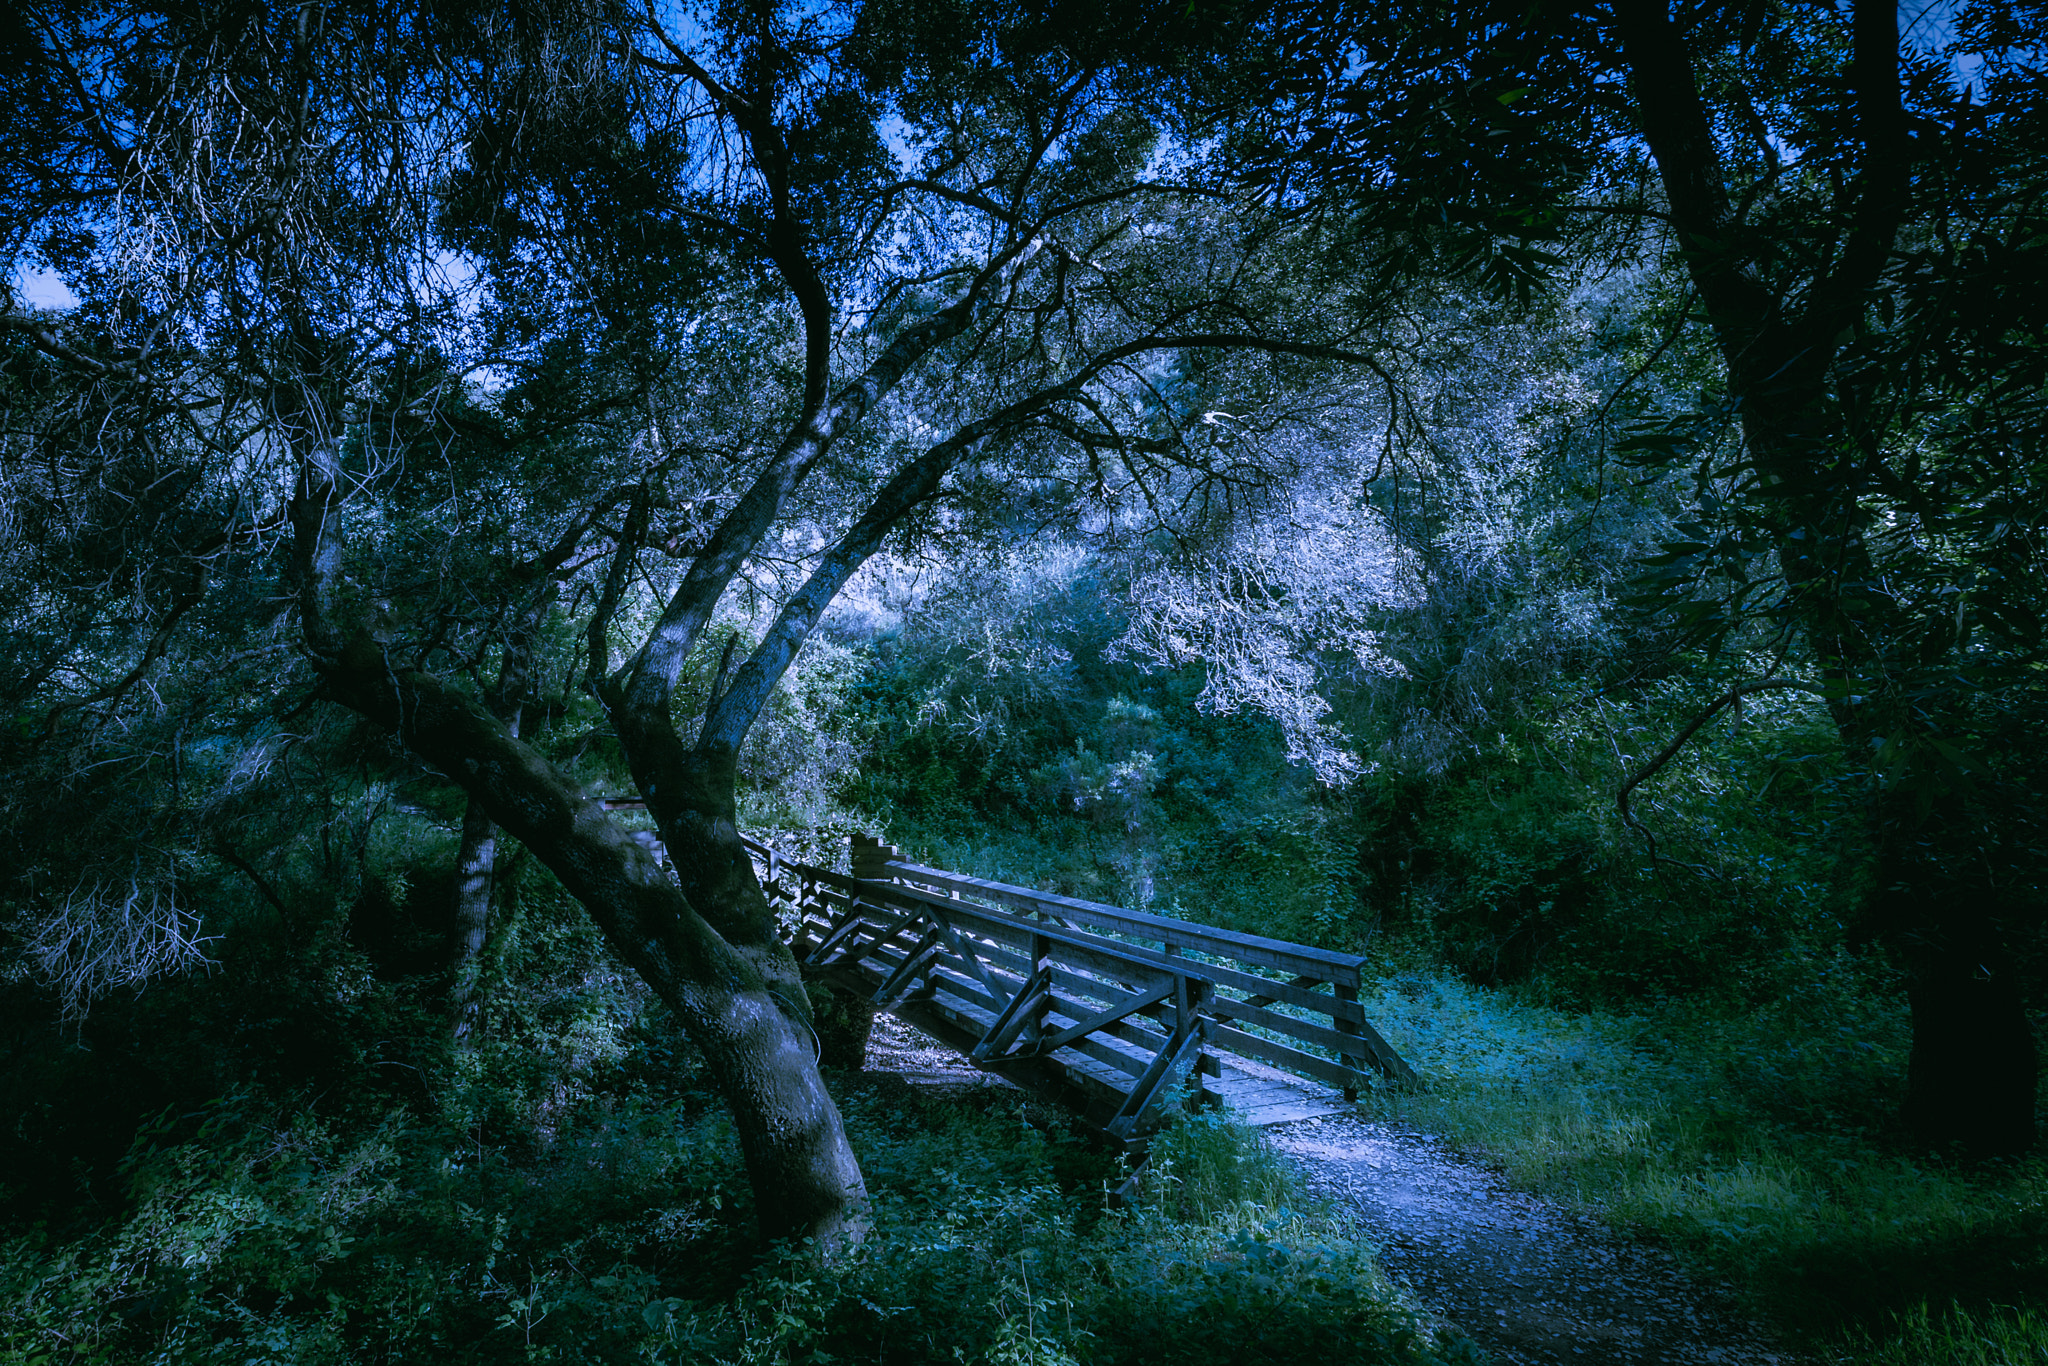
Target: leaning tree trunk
756,1042
476,854
1972,1077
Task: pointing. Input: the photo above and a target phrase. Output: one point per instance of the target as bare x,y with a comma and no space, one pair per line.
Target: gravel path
1531,1282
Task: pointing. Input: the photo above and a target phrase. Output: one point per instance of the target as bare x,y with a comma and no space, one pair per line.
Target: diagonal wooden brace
1130,1006
857,922
914,962
1023,1009
970,961
851,926
1181,1052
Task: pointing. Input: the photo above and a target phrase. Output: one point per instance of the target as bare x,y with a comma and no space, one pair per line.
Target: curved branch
650,675
967,197
1881,181
1670,751
730,715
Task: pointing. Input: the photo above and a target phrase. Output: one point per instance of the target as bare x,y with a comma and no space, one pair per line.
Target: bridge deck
1071,998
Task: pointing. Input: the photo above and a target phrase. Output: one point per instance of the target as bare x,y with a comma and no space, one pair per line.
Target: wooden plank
1102,1057
1246,947
1103,1051
1282,992
1101,1018
1107,953
1138,1031
966,988
1280,1055
1077,947
1311,983
1167,930
1301,1107
1227,1039
955,988
1223,1008
1250,948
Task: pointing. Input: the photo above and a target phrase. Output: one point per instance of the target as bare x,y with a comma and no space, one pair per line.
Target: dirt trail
1532,1283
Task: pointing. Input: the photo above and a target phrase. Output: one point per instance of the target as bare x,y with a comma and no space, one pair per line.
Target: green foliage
262,1235
1997,1337
1205,1165
1516,865
1762,1145
1023,748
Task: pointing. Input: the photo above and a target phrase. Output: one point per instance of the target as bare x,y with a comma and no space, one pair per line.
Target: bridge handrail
894,881
1332,967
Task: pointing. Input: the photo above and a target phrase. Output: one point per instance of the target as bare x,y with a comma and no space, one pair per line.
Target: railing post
1188,1019
1041,964
869,854
1347,992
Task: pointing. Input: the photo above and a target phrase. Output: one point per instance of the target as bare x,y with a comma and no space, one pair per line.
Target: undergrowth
256,1236
1751,1150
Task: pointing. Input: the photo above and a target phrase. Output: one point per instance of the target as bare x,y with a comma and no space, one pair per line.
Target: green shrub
623,1236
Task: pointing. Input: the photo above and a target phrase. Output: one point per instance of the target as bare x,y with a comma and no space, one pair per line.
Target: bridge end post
1348,992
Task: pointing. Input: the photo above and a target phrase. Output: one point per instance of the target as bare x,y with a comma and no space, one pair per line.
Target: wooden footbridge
1116,1013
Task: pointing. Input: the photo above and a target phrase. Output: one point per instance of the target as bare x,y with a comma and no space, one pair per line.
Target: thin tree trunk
475,858
1972,1078
476,855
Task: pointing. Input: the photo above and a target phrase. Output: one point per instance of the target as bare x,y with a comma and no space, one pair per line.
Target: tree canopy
477,413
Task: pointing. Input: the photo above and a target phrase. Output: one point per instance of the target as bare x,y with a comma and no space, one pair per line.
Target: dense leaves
1290,466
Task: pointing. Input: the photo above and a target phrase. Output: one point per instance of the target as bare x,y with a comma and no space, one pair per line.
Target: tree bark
476,854
474,860
1972,1075
755,1037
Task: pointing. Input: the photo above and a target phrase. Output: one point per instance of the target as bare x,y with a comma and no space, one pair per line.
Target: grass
625,1237
1750,1152
2000,1336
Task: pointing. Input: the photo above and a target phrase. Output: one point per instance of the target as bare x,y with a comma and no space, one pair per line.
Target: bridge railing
1013,976
1316,991
1042,1000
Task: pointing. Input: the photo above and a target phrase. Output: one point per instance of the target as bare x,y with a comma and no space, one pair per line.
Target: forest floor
1531,1282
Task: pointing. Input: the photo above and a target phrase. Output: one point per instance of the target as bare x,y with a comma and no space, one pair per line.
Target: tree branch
1670,752
1681,138
726,721
1838,298
650,676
